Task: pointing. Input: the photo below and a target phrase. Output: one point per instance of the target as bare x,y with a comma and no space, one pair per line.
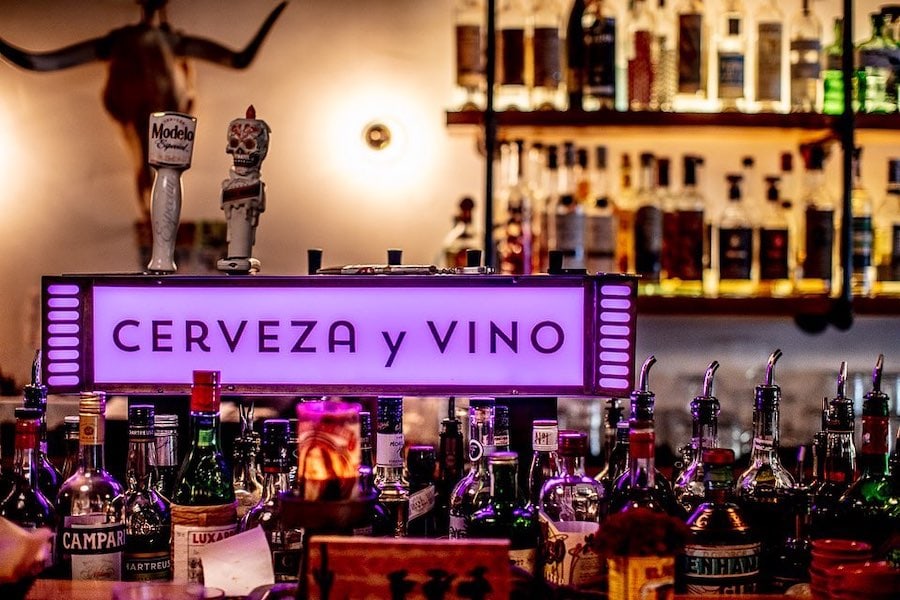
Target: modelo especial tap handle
170,150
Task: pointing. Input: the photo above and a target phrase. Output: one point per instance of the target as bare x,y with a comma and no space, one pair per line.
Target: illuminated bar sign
565,335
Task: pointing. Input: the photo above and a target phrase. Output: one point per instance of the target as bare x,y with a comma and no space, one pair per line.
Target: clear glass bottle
815,260
600,221
25,504
689,487
544,460
393,489
469,17
763,489
85,505
648,227
641,26
736,245
449,470
35,396
166,427
472,491
775,249
771,60
461,236
731,49
685,249
722,555
617,463
806,60
517,234
874,70
600,25
420,466
547,90
505,516
285,542
887,234
246,477
571,508
512,30
832,74
204,480
625,205
614,414
70,464
862,280
692,47
148,517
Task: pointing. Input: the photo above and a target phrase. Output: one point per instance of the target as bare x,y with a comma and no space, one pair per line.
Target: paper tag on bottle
389,449
187,540
94,547
421,502
567,552
523,558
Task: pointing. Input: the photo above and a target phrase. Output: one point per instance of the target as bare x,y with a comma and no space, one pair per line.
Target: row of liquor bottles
761,236
554,521
688,55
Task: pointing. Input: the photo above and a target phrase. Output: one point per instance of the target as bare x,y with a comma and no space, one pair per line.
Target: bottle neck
205,431
719,483
815,183
873,455
481,443
276,479
25,456
504,483
572,465
705,434
140,473
765,435
642,451
840,457
90,442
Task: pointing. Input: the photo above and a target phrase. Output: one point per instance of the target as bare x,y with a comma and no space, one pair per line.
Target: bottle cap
772,194
35,393
92,403
28,423
567,199
643,401
70,423
840,408
747,162
141,421
573,443
646,159
718,456
27,413
481,402
705,408
165,422
206,391
876,403
503,458
734,186
602,202
449,427
552,158
690,168
582,158
421,462
768,395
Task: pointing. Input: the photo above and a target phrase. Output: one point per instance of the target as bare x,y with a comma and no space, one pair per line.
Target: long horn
55,60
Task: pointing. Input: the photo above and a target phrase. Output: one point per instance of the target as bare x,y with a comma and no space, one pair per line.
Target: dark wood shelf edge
809,121
761,307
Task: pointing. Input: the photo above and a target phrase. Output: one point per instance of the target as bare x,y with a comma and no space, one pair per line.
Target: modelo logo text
158,131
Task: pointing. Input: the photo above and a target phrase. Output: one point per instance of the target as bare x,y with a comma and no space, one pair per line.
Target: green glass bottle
833,78
204,480
874,70
506,516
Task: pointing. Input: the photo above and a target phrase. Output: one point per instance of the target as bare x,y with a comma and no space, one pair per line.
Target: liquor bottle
641,484
648,227
148,517
839,465
204,509
35,396
614,415
469,16
512,26
472,491
544,460
420,466
553,186
600,222
731,47
70,464
617,463
689,488
246,479
806,60
461,236
641,26
547,91
504,516
722,555
887,234
449,470
833,76
736,245
601,61
571,507
166,427
90,537
393,490
501,428
763,488
775,250
25,503
625,206
771,58
863,507
863,277
692,46
517,235
664,65
815,261
285,542
665,200
575,55
874,70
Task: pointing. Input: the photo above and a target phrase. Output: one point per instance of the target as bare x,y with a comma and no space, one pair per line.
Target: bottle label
166,455
567,554
547,64
422,502
773,254
389,449
147,566
600,55
569,228
187,540
545,439
683,257
93,546
731,569
91,430
457,527
819,243
735,253
863,238
895,253
511,51
731,75
600,243
768,65
523,558
875,435
690,40
287,546
806,59
469,54
501,441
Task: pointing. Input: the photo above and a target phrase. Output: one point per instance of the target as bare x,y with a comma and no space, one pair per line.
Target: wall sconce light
377,135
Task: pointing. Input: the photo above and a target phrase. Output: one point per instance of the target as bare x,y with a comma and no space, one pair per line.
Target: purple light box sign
413,335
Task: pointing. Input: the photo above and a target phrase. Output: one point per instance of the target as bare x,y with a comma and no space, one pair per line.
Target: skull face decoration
243,193
248,143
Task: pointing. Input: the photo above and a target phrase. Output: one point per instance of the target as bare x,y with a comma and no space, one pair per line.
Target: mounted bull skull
149,71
